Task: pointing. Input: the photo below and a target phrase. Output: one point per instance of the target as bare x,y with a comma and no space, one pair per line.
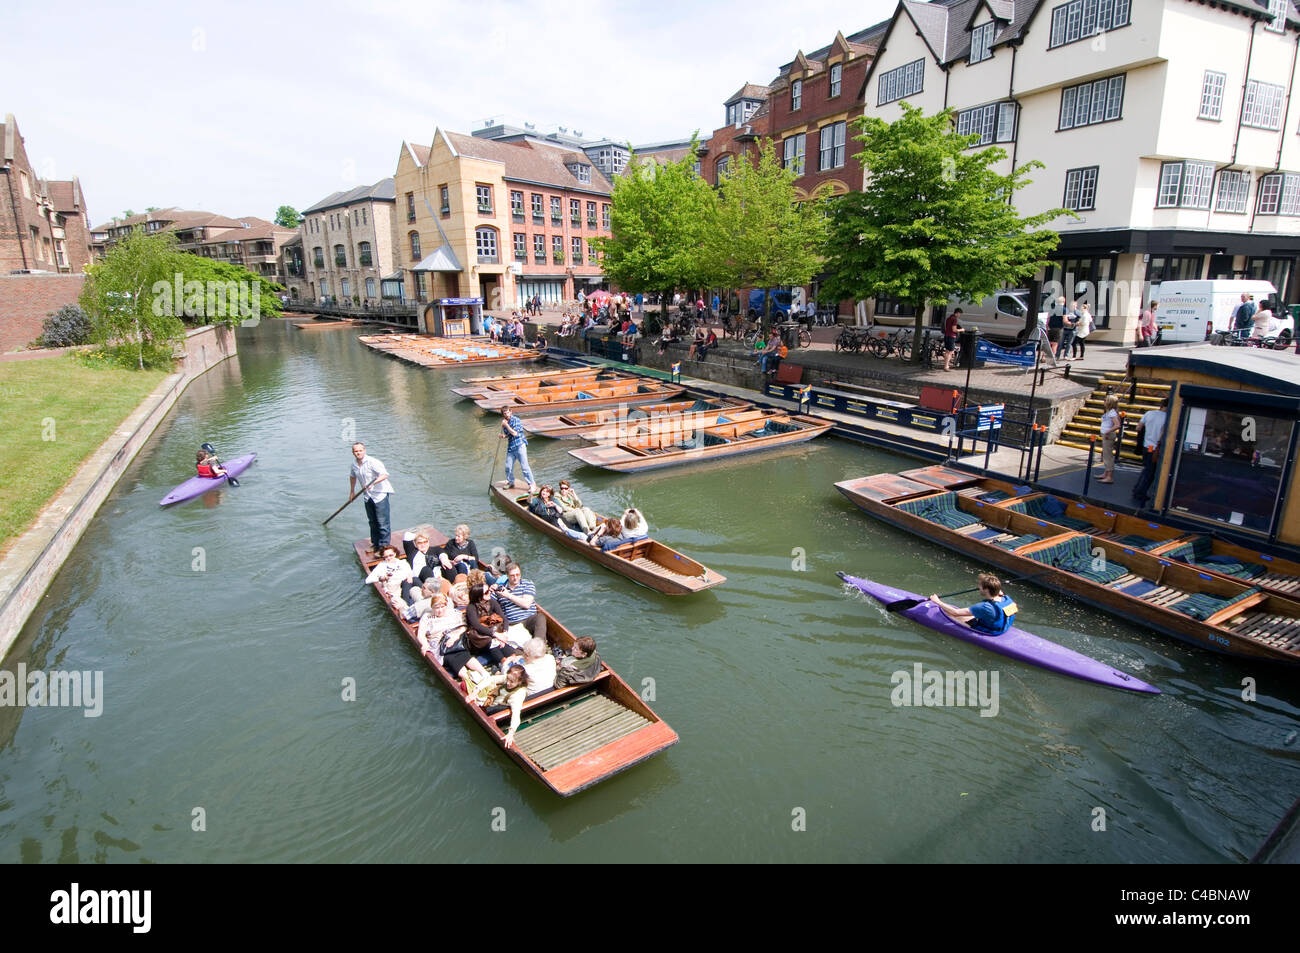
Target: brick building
42,221
500,220
345,246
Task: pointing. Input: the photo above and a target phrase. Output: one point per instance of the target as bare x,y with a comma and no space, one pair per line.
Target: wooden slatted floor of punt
1277,581
570,730
1279,631
645,562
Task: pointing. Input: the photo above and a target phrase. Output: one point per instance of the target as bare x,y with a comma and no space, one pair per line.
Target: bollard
1042,445
1087,475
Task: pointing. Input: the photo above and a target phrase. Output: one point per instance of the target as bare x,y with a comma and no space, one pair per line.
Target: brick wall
27,300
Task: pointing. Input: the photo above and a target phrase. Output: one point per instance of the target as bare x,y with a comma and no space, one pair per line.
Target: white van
1003,315
1192,310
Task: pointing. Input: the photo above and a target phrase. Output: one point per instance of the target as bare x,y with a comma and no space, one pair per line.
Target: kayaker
208,466
993,616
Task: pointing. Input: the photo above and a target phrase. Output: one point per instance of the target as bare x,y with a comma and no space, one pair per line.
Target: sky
241,107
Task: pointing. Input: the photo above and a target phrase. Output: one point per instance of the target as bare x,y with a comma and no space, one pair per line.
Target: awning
442,259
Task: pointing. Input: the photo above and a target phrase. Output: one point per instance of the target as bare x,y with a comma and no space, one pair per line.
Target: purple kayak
1014,643
197,485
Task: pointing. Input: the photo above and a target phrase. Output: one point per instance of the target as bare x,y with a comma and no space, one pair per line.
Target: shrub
66,327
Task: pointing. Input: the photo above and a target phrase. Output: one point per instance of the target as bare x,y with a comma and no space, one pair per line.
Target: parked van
1193,310
1003,316
780,305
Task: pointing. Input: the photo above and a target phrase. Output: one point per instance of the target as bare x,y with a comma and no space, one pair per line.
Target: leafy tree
118,296
934,220
763,236
287,217
659,225
219,292
127,213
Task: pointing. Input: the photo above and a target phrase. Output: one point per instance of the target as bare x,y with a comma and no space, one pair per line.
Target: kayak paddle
902,605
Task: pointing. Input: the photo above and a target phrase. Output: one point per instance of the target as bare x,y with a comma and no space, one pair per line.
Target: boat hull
1014,643
619,459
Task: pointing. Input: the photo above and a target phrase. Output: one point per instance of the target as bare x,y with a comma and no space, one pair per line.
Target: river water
225,629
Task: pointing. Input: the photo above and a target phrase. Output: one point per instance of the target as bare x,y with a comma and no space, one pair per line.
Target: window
1099,101
604,216
577,251
1277,11
582,172
557,214
486,241
27,186
981,42
410,206
1081,189
796,95
517,206
1080,19
444,195
901,82
1279,194
733,114
888,305
1263,108
832,146
837,73
575,213
591,214
539,249
363,254
794,154
995,122
345,288
1234,188
537,208
521,246
364,220
318,257
1212,95
340,256
557,249
415,245
483,193
370,287
721,168
1185,184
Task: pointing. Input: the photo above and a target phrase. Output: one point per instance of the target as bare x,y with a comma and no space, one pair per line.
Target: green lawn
54,413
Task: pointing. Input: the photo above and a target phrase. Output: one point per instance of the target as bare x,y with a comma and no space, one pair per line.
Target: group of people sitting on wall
480,622
565,510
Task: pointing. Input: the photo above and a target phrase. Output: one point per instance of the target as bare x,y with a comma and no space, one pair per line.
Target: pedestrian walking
1055,322
1147,329
1243,318
1083,326
1069,321
372,476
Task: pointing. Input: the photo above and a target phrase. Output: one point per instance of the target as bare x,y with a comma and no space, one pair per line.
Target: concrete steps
1134,402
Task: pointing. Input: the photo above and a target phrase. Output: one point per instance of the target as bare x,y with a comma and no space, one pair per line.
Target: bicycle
801,339
853,340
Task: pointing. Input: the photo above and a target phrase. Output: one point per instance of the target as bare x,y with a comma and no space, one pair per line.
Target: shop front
453,317
550,288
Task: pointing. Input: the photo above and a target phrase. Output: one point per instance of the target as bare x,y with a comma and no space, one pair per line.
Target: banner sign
1022,356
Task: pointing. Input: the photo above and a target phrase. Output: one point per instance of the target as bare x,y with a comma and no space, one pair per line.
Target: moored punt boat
568,738
1214,611
437,352
584,395
596,424
648,562
480,386
669,447
1207,553
534,385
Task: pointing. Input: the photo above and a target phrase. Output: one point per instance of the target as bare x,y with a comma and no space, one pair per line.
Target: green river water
223,687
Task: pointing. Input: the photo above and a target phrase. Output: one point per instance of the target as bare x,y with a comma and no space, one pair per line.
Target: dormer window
837,73
733,114
581,171
981,42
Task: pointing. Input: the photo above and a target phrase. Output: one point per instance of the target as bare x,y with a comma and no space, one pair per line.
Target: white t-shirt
1153,427
541,673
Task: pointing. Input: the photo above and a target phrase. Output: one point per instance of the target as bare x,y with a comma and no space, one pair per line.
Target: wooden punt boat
501,391
648,562
568,738
612,421
584,396
671,447
995,524
438,352
1207,553
511,383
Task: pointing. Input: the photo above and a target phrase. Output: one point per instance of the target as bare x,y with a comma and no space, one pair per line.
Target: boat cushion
1139,589
713,440
985,534
941,509
1075,556
1019,541
1052,512
1202,605
1138,541
993,496
583,395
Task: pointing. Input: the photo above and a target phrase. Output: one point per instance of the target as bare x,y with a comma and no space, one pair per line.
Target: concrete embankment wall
26,570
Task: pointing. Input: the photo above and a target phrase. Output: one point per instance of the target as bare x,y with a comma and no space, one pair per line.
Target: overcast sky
240,107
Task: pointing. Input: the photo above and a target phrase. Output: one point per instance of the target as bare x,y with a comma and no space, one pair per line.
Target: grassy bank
54,413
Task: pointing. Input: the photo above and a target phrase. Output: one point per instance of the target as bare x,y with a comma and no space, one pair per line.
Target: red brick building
43,224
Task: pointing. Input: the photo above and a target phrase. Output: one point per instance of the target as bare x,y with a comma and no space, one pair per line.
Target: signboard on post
1022,356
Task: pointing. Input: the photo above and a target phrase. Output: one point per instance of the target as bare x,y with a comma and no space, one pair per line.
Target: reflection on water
224,685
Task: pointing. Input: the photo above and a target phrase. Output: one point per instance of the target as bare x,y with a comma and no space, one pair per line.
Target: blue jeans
377,513
522,456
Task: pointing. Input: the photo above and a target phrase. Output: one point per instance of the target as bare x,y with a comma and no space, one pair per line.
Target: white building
1164,124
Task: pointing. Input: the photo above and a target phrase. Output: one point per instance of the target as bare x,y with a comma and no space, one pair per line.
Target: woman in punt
574,513
459,555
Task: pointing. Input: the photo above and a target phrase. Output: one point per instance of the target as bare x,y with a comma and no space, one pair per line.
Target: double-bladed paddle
902,605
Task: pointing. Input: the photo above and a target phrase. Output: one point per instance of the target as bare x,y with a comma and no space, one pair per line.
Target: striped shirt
514,613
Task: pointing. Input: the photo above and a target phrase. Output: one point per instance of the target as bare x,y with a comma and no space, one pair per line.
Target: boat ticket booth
453,317
1227,460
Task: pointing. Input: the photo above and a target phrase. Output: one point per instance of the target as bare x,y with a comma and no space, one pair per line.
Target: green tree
659,227
220,292
762,235
934,220
118,296
287,217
